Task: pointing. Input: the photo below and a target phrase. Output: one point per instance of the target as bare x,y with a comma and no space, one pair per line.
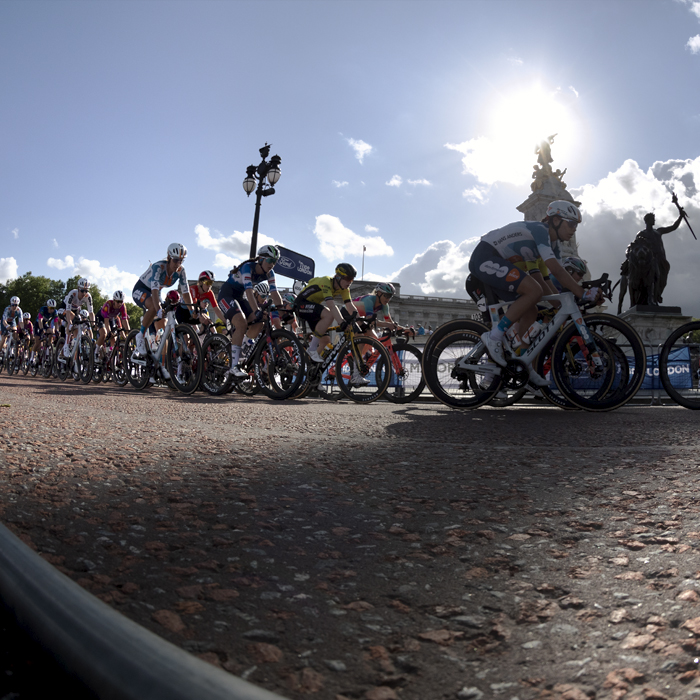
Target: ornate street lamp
255,180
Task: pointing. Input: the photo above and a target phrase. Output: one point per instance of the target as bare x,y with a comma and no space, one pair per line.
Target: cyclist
11,318
44,324
377,304
575,267
114,314
289,300
200,294
146,293
512,259
237,299
74,300
315,304
27,333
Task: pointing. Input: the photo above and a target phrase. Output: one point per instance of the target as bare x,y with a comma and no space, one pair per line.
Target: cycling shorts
310,312
140,294
233,302
489,267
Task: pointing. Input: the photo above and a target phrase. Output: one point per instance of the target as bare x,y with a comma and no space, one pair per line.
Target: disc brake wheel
279,368
407,382
137,367
184,358
361,378
216,358
120,374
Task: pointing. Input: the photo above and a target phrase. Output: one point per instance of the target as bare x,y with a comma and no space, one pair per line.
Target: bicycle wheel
279,365
551,393
85,358
184,358
120,374
46,361
355,378
216,354
24,363
457,368
622,373
407,382
679,365
34,366
138,369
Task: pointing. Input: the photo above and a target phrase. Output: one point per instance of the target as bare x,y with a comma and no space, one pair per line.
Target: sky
404,127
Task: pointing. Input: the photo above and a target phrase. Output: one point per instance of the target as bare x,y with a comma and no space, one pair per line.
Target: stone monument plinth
654,324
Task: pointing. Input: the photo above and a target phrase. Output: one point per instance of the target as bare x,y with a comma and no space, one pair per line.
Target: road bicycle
178,347
596,362
9,355
407,382
109,364
274,362
81,358
23,354
351,351
679,365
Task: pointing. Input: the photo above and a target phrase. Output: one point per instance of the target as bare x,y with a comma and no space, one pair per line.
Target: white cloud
476,195
371,229
55,243
395,181
8,269
108,279
694,44
344,183
15,233
423,181
361,148
235,247
337,242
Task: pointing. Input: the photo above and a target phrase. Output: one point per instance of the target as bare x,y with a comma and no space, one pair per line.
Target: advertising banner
294,265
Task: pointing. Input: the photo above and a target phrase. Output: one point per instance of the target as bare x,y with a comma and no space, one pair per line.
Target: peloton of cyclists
146,293
74,301
44,324
237,300
512,260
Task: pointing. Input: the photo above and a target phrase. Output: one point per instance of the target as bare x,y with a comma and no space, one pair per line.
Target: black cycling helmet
346,270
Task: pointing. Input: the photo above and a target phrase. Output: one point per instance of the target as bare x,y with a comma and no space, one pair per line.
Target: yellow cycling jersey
320,289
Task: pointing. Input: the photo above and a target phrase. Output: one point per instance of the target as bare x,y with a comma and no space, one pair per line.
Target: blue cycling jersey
246,277
156,277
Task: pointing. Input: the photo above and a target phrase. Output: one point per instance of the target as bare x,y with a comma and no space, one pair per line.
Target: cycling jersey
45,315
199,296
10,317
111,310
369,305
156,277
29,328
74,302
245,277
523,241
320,289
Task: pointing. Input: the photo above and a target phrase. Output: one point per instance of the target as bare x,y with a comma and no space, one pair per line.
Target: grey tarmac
334,550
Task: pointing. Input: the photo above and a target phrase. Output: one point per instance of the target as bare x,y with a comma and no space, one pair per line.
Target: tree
33,292
135,313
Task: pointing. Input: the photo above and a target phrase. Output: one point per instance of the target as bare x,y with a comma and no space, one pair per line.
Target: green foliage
33,292
134,313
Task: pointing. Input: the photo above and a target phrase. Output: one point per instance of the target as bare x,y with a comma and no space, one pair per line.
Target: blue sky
407,127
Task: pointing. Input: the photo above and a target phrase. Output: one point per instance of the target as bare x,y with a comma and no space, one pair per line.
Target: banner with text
294,265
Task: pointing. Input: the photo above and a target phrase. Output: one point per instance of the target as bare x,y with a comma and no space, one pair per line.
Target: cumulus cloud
395,181
613,211
694,44
423,181
337,242
15,233
344,183
55,243
361,148
371,229
476,195
230,249
108,279
8,269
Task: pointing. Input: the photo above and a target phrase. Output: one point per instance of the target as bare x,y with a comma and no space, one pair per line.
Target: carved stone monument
547,186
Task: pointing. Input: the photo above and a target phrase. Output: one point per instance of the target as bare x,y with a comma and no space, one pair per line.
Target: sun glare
524,118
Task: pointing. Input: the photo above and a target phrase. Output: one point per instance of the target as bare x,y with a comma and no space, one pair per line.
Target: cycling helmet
177,251
83,284
51,304
289,298
26,315
84,313
385,288
262,288
118,296
173,296
346,270
206,275
566,210
269,251
574,265
14,301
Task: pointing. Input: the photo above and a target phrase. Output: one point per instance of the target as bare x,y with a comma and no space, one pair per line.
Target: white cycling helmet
84,313
262,288
83,284
118,296
269,251
26,315
573,264
177,250
51,304
14,301
566,210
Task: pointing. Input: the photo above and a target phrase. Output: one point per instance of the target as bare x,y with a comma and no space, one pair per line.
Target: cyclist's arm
250,296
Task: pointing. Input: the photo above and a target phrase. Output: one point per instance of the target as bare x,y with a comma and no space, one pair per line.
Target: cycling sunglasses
272,261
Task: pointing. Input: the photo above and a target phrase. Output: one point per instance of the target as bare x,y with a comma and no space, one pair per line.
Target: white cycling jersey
156,277
74,302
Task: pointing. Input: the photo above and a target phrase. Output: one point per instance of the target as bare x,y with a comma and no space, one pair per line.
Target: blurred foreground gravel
330,550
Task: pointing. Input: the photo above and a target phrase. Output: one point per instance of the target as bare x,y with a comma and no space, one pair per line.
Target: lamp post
255,176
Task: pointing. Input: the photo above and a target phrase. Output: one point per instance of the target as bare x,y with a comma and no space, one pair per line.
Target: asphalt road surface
331,550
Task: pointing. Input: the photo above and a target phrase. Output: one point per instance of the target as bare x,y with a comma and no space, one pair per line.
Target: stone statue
544,153
645,270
